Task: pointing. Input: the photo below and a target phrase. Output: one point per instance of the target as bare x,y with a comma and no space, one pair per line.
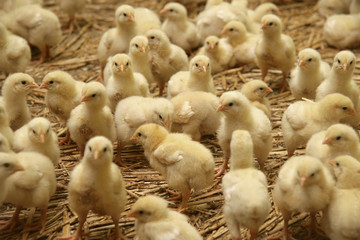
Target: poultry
346,171
8,166
5,128
262,10
327,8
71,8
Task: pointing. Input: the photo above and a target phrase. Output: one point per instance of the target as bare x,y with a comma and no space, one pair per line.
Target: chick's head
149,134
139,45
341,136
233,103
344,62
162,112
121,64
309,171
212,43
234,28
200,64
149,208
39,129
57,81
124,14
345,165
157,39
20,83
174,11
337,105
99,151
256,90
94,94
309,59
8,165
271,24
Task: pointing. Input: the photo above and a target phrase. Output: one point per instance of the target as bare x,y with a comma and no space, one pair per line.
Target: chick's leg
284,85
161,88
41,225
314,228
253,234
118,159
78,234
285,233
66,139
115,235
223,168
185,198
264,72
13,220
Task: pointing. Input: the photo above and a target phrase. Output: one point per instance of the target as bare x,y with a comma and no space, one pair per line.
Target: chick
166,59
308,74
5,128
15,53
124,82
7,168
146,19
154,220
197,79
274,49
346,171
37,136
184,163
240,114
178,28
256,91
71,8
14,91
92,117
330,7
304,184
32,187
302,119
262,10
96,184
247,201
134,111
219,51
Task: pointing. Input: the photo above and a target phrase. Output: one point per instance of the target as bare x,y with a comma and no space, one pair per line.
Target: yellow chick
8,166
184,163
71,8
346,171
195,114
154,220
304,184
146,19
14,91
198,78
134,111
32,187
166,59
274,49
240,114
219,51
124,82
308,74
247,201
15,53
178,28
327,8
92,117
5,128
37,136
302,119
256,91
262,10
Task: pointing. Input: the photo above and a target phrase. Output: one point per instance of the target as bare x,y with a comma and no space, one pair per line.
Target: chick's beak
18,167
345,66
44,86
327,140
134,138
302,180
358,171
302,62
167,123
352,112
42,137
142,49
132,214
332,163
121,67
263,26
224,31
268,90
84,98
220,108
163,11
212,45
131,18
96,154
34,85
203,68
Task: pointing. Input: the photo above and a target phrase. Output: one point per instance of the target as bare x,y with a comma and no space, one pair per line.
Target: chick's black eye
90,148
141,212
351,62
310,59
171,10
127,64
94,95
344,108
34,131
23,82
337,164
105,149
338,137
160,116
139,134
216,43
116,64
339,61
6,165
152,37
313,174
231,29
230,104
51,82
124,14
270,24
196,65
136,45
208,64
261,89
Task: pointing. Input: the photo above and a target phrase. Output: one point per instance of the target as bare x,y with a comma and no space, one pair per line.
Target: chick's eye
94,95
313,174
231,29
90,148
141,212
6,165
115,64
23,82
51,82
171,10
338,61
310,59
207,43
337,164
105,149
34,131
136,45
351,62
127,64
139,134
216,43
338,137
230,104
124,14
208,64
152,37
261,89
270,24
160,116
196,65
344,108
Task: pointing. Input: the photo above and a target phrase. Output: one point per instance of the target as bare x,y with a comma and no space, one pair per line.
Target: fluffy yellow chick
154,220
247,201
304,184
256,91
134,111
96,184
198,78
37,136
274,49
71,8
178,28
32,187
8,166
219,51
302,119
239,113
92,117
262,10
124,82
346,171
184,163
5,128
195,114
15,53
331,7
146,19
166,59
308,74
14,91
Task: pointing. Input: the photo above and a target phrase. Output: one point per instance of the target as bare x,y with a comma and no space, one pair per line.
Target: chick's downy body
7,167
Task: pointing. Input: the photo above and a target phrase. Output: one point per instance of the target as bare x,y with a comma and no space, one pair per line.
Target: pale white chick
262,10
308,74
304,184
32,187
178,28
37,136
184,163
92,117
302,119
71,8
8,166
146,19
154,220
166,59
256,91
275,50
240,114
5,128
14,91
198,78
247,202
346,171
124,82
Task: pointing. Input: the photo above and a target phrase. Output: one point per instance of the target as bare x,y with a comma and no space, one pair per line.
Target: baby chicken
14,91
346,171
178,28
302,119
197,79
166,59
184,163
154,220
37,136
71,8
15,53
239,113
330,7
274,49
247,201
8,166
262,10
5,129
304,184
96,184
146,19
256,91
195,114
308,74
92,117
124,82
